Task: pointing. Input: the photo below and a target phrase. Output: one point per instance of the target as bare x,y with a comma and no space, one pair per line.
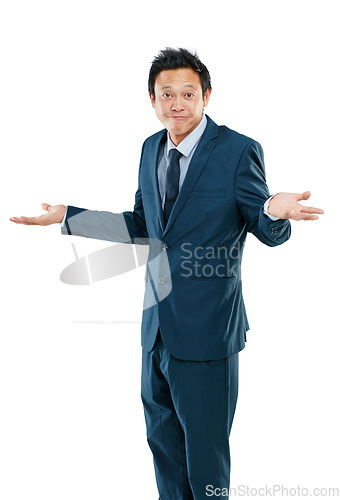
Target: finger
26,220
17,220
304,196
309,217
45,206
311,210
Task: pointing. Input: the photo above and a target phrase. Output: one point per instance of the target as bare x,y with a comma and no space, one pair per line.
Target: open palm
287,206
54,215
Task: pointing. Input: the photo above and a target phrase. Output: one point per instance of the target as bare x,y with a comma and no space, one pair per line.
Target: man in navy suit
201,189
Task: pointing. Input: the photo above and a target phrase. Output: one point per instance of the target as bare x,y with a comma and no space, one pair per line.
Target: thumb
45,206
304,196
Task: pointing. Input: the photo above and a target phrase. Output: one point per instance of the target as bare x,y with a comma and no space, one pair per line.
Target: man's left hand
287,206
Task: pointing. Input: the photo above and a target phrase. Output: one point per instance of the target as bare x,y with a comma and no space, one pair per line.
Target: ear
206,97
152,99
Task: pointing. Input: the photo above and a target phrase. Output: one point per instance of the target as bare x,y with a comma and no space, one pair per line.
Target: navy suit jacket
221,200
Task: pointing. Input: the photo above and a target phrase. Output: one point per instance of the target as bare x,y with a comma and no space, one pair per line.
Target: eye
190,95
166,95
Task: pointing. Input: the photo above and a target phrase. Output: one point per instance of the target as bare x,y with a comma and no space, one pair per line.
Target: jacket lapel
157,151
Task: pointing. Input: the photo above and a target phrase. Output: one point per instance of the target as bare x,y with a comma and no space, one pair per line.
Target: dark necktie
171,183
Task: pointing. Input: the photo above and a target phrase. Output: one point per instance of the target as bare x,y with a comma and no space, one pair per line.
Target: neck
176,139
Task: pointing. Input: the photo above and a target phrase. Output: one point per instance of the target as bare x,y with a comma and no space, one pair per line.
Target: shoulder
236,146
226,134
156,137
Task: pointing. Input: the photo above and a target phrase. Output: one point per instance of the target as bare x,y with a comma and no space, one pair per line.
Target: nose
177,105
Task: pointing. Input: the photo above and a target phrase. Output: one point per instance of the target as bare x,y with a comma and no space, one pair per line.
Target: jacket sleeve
251,193
125,227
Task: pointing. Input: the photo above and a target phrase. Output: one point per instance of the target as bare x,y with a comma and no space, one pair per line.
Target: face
178,101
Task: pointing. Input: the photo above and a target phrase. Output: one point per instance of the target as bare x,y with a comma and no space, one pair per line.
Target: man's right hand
55,215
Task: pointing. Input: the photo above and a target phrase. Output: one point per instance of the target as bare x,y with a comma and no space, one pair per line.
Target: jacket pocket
209,193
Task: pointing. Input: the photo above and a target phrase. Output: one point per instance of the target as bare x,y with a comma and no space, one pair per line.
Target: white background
74,114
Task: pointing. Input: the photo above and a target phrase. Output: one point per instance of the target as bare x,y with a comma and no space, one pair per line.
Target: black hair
170,58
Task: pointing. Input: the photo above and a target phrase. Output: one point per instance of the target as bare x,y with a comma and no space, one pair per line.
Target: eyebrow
186,85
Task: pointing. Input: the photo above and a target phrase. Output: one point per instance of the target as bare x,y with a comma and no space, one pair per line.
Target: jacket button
161,281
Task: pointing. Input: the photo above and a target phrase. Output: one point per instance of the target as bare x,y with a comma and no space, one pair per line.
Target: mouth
178,117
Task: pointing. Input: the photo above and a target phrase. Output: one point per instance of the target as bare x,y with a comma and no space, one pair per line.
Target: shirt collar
185,147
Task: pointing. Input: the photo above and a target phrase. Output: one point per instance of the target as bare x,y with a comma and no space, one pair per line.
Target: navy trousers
189,408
